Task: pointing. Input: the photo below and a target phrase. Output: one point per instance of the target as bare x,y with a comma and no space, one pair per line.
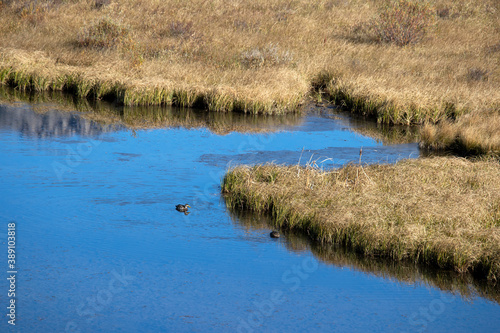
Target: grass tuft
403,22
103,34
183,29
477,74
467,135
270,55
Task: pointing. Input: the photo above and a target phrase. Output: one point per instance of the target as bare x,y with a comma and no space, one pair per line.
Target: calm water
100,247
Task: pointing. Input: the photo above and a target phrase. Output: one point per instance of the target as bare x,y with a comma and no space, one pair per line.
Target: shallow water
100,247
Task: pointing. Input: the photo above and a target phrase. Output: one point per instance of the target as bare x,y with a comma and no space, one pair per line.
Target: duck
274,234
182,208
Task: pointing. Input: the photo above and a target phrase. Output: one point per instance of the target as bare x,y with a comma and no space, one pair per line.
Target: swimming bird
182,208
275,234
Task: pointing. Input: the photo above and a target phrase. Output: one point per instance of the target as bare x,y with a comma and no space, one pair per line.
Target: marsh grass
469,134
134,93
258,56
103,34
441,211
270,55
404,22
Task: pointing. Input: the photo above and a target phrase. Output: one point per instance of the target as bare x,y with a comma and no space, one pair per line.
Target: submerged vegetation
436,211
399,61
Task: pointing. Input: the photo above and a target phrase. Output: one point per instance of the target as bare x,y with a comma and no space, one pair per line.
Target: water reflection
143,117
140,117
88,207
49,123
405,272
386,134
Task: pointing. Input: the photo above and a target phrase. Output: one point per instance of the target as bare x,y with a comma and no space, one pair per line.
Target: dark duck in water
182,208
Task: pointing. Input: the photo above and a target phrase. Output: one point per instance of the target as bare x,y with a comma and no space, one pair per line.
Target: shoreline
325,86
435,133
95,89
404,211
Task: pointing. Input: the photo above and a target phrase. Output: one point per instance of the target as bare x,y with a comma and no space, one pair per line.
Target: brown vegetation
437,211
262,56
472,133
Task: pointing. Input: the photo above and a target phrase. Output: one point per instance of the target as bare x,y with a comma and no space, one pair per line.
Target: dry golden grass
437,211
257,56
476,133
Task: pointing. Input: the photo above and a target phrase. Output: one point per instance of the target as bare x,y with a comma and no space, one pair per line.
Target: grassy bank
438,211
43,75
261,56
474,133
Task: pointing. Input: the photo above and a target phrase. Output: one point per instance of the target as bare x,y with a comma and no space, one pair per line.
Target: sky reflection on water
102,249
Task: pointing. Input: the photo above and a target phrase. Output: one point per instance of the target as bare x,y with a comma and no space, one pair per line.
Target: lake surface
100,247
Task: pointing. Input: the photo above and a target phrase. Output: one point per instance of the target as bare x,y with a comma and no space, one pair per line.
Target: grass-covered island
432,62
440,211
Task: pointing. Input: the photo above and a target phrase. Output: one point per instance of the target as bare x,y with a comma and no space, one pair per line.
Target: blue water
100,247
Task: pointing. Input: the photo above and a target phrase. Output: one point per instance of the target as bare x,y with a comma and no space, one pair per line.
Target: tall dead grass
473,133
256,56
437,211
